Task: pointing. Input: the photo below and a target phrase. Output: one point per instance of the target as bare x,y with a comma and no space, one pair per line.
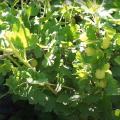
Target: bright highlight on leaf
83,37
117,112
22,36
82,74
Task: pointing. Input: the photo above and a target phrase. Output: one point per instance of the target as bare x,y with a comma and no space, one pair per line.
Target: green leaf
50,104
112,87
42,77
3,5
117,60
105,106
15,2
34,9
63,98
36,96
115,71
91,32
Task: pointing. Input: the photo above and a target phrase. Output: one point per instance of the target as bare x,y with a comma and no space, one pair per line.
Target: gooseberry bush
62,56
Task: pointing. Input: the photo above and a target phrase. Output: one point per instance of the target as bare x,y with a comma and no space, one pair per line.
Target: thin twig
50,84
15,62
5,55
63,86
5,94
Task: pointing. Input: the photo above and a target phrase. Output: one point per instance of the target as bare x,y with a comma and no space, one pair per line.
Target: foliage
62,56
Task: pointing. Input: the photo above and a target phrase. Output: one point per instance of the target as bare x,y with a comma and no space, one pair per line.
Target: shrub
63,57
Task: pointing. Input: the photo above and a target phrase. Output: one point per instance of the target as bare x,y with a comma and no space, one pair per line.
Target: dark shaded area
21,110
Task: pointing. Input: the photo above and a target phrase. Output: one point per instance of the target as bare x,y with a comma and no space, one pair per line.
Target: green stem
13,61
51,85
22,4
16,53
63,86
21,59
